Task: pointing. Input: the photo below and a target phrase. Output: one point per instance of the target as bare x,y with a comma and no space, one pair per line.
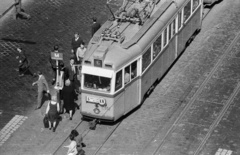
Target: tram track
215,123
65,139
194,98
106,139
85,132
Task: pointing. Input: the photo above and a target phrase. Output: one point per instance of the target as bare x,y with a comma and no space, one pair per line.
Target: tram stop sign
56,56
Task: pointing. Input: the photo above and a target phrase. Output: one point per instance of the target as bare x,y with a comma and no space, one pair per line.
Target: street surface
53,23
193,110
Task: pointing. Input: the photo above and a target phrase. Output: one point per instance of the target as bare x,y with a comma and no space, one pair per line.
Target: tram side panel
118,107
146,81
158,67
131,95
188,29
196,20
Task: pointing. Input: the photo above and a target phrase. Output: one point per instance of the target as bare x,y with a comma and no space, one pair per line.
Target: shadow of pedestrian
18,41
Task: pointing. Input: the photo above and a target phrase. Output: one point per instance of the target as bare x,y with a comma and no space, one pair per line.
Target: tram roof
137,38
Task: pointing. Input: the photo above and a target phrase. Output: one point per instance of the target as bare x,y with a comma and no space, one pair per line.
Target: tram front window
97,82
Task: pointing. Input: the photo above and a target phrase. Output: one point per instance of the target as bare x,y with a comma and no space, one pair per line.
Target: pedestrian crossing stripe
10,127
221,151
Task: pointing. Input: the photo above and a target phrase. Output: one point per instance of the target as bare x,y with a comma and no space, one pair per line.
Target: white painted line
229,152
11,127
221,151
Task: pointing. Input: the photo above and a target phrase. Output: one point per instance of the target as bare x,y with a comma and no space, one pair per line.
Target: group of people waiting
63,101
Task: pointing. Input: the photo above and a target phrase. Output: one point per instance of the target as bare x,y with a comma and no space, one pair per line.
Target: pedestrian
52,111
95,25
71,70
41,82
54,65
68,95
20,13
72,147
76,42
80,53
79,140
24,64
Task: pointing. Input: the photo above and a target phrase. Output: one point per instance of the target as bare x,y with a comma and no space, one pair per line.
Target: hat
67,82
55,47
94,19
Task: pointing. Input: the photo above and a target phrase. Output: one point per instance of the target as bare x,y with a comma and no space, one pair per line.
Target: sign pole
57,80
59,77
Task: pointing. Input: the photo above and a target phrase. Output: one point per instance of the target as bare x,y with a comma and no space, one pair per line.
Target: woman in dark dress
68,95
52,112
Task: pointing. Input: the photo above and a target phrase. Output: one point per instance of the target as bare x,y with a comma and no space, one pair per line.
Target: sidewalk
52,23
32,138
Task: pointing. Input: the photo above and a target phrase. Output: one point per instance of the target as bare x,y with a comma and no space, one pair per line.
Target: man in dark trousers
71,71
54,65
71,74
41,82
95,25
76,42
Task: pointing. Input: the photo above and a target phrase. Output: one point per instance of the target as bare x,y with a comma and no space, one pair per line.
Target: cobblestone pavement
53,23
144,130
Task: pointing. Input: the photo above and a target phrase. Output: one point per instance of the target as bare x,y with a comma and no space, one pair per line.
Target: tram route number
100,101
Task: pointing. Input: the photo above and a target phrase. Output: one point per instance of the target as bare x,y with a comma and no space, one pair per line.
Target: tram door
131,84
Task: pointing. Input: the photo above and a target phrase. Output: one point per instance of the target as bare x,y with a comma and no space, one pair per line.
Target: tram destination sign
56,56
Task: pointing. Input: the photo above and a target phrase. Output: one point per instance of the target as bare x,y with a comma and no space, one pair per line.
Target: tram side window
130,72
127,75
134,70
195,4
118,83
157,46
173,27
179,20
146,59
170,32
165,37
187,11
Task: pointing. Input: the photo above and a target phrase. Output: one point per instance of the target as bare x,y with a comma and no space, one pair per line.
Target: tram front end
97,99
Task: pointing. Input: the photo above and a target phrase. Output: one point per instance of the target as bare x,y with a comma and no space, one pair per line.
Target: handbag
45,121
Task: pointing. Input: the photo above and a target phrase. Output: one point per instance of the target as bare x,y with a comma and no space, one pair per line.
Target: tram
130,52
